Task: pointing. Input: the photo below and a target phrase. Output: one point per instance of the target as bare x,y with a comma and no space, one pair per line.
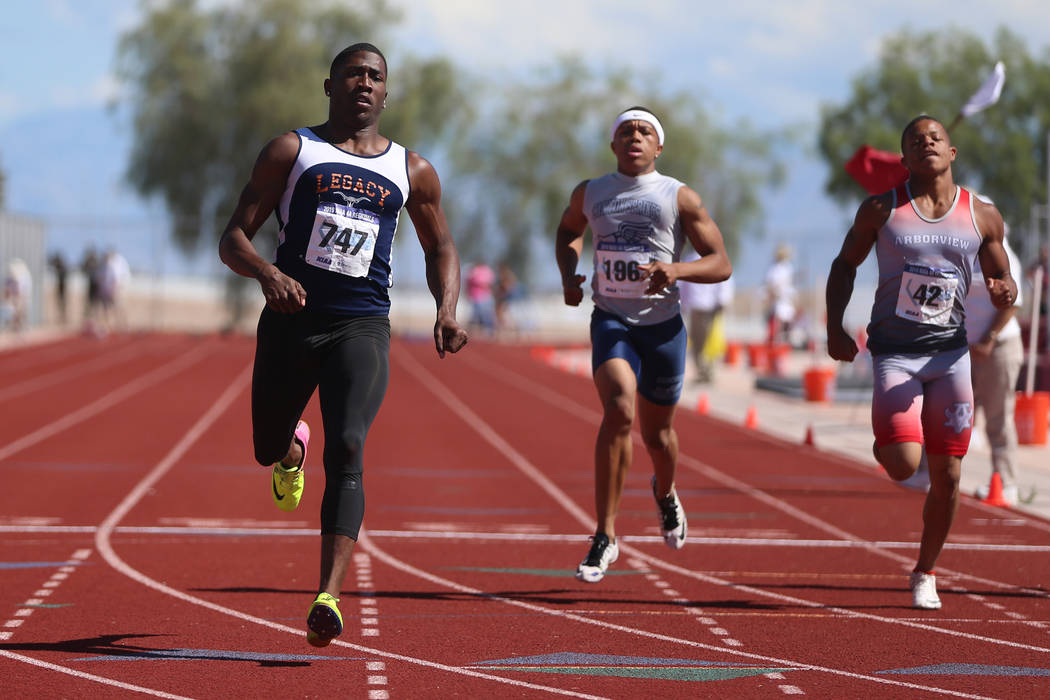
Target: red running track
142,554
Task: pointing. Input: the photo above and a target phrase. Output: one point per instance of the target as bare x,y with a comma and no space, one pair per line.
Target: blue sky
772,62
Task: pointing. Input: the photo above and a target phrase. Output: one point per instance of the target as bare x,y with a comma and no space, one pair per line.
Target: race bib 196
927,295
617,271
343,239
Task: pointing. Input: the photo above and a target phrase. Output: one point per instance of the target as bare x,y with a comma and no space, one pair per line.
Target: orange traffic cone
995,492
809,437
751,421
701,405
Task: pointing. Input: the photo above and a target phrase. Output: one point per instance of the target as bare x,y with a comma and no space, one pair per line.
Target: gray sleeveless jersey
633,220
925,270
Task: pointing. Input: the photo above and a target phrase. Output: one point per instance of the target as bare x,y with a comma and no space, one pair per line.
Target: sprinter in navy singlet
337,190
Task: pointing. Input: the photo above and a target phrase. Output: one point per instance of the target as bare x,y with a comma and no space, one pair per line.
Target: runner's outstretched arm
439,251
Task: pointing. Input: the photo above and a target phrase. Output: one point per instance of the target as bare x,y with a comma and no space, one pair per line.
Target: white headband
640,115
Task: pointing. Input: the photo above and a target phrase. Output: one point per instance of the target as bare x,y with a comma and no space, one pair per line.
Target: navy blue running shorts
656,353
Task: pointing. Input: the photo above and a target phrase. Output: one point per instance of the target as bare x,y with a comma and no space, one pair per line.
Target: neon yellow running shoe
324,622
288,483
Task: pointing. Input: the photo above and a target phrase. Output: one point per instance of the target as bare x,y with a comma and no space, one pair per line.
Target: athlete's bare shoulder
874,211
989,220
284,147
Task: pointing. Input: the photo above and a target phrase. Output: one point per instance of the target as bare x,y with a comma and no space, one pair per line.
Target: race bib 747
343,239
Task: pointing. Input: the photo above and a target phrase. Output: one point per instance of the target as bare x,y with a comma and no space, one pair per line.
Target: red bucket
732,354
818,383
756,355
1030,417
776,356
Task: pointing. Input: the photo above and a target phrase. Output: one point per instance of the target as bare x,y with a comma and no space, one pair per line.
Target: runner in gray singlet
927,234
639,220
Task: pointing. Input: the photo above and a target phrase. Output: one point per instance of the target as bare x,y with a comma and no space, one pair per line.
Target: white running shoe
672,518
924,591
919,481
602,553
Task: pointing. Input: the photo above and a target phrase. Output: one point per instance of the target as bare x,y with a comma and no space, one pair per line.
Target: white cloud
768,44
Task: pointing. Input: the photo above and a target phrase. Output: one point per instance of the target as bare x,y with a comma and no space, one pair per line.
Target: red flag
876,171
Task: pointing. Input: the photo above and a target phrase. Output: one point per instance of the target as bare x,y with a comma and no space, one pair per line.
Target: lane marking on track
105,531
520,537
69,373
586,413
369,614
849,460
61,574
365,541
447,396
53,352
90,676
109,400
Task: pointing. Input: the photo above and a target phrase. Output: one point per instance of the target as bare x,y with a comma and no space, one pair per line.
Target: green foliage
546,135
207,88
1002,150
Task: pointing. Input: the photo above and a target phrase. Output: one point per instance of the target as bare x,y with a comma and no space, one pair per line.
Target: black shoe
602,553
672,518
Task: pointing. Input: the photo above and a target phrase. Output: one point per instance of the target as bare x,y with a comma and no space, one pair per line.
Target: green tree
1002,150
541,137
206,88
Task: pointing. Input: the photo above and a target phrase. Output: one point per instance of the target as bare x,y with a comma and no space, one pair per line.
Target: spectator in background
780,296
508,289
18,287
58,265
703,305
115,275
996,355
480,279
91,266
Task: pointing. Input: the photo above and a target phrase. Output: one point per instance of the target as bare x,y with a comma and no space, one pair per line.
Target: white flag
988,94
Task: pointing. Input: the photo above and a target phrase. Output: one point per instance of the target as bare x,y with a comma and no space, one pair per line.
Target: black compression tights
347,360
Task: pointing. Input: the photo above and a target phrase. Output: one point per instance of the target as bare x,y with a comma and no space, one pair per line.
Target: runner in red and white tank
927,234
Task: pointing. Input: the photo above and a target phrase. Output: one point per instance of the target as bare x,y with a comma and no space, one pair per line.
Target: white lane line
365,542
91,677
447,396
518,537
55,580
105,548
586,413
99,405
69,373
